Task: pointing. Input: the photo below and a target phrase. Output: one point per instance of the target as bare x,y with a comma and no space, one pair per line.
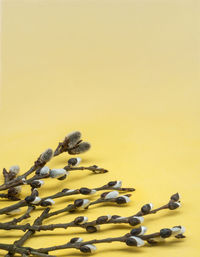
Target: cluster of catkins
35,176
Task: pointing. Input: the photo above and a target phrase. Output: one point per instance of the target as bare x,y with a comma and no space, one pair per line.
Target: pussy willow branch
63,193
46,214
29,233
79,245
24,251
12,207
72,207
23,181
12,193
5,175
94,169
7,196
19,180
24,216
72,144
77,191
115,219
97,241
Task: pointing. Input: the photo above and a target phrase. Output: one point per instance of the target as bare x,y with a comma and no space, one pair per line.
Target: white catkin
14,169
127,199
44,170
79,240
139,241
92,247
151,206
36,200
112,194
19,189
78,161
140,218
71,190
14,211
118,184
86,202
85,219
93,191
177,230
143,231
50,201
57,173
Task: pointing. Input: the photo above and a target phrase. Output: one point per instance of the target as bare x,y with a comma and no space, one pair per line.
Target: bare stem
93,168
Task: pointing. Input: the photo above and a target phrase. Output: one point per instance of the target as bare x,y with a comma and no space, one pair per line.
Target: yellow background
126,74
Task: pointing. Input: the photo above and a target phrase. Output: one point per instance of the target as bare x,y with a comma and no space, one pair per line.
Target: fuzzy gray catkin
81,148
73,138
46,155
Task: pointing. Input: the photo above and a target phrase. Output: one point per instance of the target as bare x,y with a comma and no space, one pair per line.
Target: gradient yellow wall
125,73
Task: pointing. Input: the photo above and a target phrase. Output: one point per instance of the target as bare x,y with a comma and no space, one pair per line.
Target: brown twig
63,193
39,163
72,144
134,238
15,221
91,226
22,181
80,204
95,169
29,233
9,197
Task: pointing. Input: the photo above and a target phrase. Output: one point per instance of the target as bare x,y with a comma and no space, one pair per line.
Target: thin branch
21,180
26,215
91,226
29,233
95,169
130,239
24,251
39,163
12,207
7,196
92,168
63,193
77,206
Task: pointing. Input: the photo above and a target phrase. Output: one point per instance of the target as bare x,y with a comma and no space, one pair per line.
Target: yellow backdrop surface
126,74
